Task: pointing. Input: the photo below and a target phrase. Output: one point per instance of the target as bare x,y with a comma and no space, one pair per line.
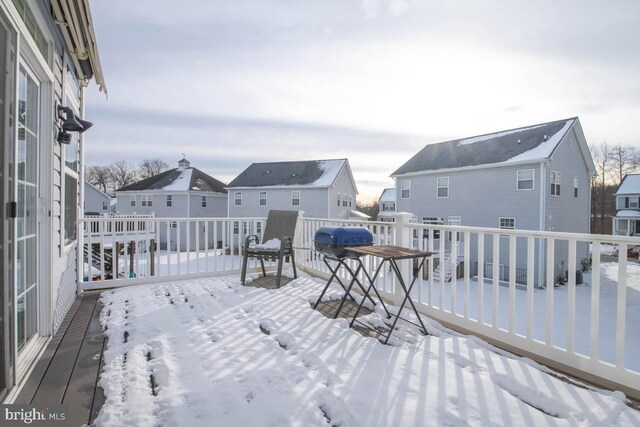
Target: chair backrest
280,224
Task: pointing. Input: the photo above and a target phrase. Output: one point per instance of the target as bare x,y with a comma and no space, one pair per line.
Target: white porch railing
589,325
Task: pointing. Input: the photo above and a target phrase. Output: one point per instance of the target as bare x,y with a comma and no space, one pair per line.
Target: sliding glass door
26,249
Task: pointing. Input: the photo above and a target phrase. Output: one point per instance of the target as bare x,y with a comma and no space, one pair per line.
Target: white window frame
554,180
405,185
435,220
575,187
633,203
105,205
203,201
293,198
519,179
503,223
236,227
262,201
455,221
344,200
169,200
173,224
339,199
237,198
132,201
147,201
439,186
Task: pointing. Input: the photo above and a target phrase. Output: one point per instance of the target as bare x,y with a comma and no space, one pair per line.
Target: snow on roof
388,195
384,214
305,173
544,150
330,170
358,214
628,214
182,181
480,138
630,185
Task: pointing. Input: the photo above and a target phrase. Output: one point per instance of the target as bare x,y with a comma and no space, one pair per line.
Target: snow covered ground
209,351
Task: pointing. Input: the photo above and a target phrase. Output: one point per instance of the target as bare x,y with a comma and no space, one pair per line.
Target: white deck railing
592,328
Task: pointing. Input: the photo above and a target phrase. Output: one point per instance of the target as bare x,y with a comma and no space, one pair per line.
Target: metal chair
280,225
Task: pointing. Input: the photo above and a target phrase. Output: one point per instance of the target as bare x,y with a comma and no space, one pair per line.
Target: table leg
407,296
368,290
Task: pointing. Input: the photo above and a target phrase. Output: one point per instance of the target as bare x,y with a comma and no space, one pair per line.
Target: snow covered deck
189,352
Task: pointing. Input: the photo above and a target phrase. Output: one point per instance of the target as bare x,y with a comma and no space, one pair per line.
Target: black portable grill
335,241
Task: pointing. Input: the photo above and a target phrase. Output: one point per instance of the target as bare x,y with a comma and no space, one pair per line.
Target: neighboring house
183,192
320,188
48,54
530,178
95,201
627,219
387,205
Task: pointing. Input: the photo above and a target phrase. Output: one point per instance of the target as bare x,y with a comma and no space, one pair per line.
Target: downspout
542,222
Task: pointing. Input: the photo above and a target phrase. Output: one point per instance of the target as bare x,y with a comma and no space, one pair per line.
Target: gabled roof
87,183
629,185
306,173
388,195
531,143
178,179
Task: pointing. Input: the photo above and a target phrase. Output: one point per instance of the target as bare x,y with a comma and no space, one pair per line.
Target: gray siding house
48,55
95,201
627,219
530,178
320,188
183,192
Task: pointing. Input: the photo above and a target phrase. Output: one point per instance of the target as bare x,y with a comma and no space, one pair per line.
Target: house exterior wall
313,201
38,51
481,196
95,200
345,187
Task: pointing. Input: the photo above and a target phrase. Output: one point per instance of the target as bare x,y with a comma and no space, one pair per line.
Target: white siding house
41,169
320,188
627,219
95,201
183,192
387,205
530,178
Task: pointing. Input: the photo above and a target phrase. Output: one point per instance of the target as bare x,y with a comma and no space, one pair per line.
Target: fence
515,297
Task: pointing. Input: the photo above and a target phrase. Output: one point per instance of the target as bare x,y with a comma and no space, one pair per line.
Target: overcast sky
235,82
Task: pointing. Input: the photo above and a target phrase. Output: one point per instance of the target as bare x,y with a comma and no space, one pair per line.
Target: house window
236,227
203,201
174,224
443,187
575,187
133,200
633,202
70,207
338,199
146,201
405,189
350,201
555,183
507,223
263,198
105,206
344,200
432,220
258,228
295,198
169,200
238,198
525,179
454,220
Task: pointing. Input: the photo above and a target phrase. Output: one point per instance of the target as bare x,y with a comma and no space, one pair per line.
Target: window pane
70,202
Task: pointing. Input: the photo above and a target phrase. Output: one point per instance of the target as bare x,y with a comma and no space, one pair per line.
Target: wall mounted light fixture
70,123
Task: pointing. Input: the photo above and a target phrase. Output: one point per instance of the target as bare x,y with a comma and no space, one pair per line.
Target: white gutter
541,226
469,168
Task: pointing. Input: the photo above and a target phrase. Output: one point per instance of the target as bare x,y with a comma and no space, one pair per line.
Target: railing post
403,239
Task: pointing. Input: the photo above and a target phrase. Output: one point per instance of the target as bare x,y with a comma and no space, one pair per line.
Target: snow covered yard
212,352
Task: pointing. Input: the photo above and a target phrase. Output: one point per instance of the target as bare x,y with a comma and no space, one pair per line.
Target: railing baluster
480,277
530,271
571,295
595,301
550,283
467,271
496,279
621,306
512,281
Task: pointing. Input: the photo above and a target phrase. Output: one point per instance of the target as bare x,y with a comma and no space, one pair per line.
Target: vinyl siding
343,185
313,201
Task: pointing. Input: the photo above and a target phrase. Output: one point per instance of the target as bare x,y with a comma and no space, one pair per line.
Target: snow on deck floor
197,353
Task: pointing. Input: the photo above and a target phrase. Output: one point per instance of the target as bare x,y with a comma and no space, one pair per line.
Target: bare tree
152,167
624,160
100,176
603,159
122,174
